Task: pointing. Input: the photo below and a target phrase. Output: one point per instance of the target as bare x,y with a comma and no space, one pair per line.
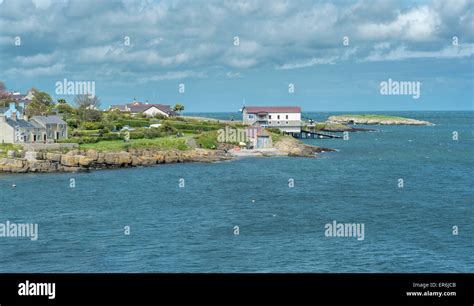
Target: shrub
92,125
207,140
153,133
79,140
137,135
111,136
72,123
134,122
274,130
167,129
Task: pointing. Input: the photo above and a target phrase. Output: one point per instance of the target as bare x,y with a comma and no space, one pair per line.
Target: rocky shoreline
85,160
77,160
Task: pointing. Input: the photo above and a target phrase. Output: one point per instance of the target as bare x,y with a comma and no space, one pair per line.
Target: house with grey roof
16,128
55,128
147,109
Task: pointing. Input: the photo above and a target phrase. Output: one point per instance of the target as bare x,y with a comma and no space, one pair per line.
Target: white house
149,110
16,128
285,118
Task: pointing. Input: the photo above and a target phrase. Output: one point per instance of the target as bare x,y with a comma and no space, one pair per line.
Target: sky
217,56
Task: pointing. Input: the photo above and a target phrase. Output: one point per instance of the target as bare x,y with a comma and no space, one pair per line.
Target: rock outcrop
76,160
292,147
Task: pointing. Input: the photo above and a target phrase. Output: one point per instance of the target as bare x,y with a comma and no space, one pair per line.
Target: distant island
371,119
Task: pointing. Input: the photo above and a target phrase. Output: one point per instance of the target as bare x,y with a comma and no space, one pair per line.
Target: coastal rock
92,154
33,155
292,147
76,160
55,157
13,165
146,160
42,166
70,160
85,161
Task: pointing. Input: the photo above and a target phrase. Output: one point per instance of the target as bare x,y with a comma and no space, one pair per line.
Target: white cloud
418,24
174,75
403,53
309,63
37,59
179,35
54,70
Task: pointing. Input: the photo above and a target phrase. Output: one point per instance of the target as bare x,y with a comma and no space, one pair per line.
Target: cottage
16,128
54,127
285,118
149,110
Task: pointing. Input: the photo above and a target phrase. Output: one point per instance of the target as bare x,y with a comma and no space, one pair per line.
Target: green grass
329,126
162,143
8,146
207,140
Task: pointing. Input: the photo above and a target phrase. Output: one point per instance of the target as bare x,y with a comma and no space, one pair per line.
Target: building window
287,122
269,116
278,117
251,116
278,122
286,116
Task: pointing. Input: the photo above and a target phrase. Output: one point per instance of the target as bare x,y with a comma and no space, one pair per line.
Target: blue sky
280,42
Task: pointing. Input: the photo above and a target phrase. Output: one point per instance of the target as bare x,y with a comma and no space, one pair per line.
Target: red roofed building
285,118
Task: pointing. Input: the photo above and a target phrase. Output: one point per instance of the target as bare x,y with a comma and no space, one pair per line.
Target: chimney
14,116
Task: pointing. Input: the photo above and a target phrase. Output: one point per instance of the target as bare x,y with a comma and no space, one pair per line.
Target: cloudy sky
227,53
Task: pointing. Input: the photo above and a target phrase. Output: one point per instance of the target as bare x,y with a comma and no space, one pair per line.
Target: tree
178,108
88,108
5,99
87,102
62,101
42,104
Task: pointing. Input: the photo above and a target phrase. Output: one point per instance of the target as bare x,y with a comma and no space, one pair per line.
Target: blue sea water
281,229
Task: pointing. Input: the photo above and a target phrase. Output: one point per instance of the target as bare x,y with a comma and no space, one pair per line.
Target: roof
272,109
18,96
3,110
138,107
20,123
48,119
119,107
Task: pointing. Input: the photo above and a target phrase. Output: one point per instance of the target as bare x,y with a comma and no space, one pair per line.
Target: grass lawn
8,146
165,143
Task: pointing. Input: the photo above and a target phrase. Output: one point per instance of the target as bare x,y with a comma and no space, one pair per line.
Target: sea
410,189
